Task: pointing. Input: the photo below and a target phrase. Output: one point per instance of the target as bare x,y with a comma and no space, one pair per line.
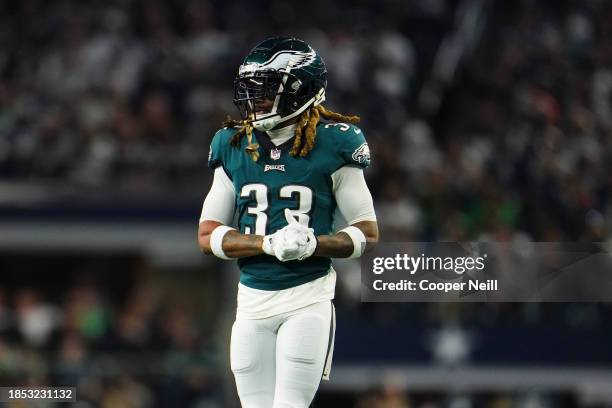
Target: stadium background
486,119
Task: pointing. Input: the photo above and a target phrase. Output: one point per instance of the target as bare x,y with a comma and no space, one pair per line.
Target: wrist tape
358,238
216,241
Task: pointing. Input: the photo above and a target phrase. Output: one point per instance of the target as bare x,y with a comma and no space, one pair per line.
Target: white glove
294,241
285,244
302,235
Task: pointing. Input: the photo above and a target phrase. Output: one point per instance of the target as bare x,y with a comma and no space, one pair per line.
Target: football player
279,175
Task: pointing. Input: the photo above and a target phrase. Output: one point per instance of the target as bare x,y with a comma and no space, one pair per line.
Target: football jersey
264,189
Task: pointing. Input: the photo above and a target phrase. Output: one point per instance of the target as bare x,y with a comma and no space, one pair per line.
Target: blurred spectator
36,320
389,397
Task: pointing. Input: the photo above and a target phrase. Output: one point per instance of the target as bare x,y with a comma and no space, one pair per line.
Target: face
263,106
254,94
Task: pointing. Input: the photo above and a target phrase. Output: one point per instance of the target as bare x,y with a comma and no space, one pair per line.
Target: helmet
285,71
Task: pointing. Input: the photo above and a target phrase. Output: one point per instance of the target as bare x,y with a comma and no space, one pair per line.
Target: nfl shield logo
275,154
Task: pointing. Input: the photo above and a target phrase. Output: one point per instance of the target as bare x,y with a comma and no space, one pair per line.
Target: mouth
259,112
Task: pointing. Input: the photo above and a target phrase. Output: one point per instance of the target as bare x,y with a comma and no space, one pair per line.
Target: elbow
370,231
372,239
204,243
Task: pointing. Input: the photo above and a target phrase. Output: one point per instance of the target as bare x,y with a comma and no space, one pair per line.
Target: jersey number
302,195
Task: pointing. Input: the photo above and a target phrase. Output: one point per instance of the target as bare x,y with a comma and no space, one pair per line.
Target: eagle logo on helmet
281,61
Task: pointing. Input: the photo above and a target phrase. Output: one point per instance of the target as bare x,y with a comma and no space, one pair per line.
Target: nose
263,103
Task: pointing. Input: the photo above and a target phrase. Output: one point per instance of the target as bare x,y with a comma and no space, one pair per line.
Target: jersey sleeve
353,147
218,147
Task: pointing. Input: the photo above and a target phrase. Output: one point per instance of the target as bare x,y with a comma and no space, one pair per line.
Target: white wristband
358,238
216,241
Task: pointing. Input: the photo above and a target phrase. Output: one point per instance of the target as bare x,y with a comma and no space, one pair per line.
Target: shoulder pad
219,146
349,142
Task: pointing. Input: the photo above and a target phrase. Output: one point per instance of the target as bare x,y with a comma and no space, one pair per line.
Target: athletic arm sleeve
352,195
220,201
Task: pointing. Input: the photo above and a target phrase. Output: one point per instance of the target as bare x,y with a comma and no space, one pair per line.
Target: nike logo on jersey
269,167
357,131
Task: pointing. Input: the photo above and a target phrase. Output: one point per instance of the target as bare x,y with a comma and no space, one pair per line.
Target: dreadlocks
307,126
246,128
305,132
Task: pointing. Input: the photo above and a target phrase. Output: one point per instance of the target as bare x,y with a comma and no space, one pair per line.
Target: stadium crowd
147,349
128,94
144,349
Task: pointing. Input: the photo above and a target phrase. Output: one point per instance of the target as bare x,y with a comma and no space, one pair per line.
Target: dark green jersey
278,181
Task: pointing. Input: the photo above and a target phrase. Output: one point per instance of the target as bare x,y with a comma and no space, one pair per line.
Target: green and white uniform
252,196
330,178
283,336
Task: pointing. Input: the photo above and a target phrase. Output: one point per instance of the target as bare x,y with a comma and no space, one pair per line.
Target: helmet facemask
251,90
283,89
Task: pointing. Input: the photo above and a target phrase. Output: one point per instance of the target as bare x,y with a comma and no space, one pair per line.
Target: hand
307,242
286,244
294,241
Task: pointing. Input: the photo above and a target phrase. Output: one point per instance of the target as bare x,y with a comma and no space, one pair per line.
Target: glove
304,236
285,244
294,241
268,244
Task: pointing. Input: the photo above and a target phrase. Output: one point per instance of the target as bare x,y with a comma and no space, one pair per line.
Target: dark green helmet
284,70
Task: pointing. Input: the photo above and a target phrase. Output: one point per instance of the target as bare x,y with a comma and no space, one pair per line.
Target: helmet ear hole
295,87
303,91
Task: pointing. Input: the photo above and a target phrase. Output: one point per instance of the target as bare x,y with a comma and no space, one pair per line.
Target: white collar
280,136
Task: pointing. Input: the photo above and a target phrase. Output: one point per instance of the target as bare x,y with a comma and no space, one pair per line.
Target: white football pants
279,361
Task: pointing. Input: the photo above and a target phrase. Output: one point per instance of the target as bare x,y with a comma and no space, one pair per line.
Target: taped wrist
358,238
216,241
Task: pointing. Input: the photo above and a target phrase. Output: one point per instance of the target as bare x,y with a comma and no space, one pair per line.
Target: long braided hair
305,132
